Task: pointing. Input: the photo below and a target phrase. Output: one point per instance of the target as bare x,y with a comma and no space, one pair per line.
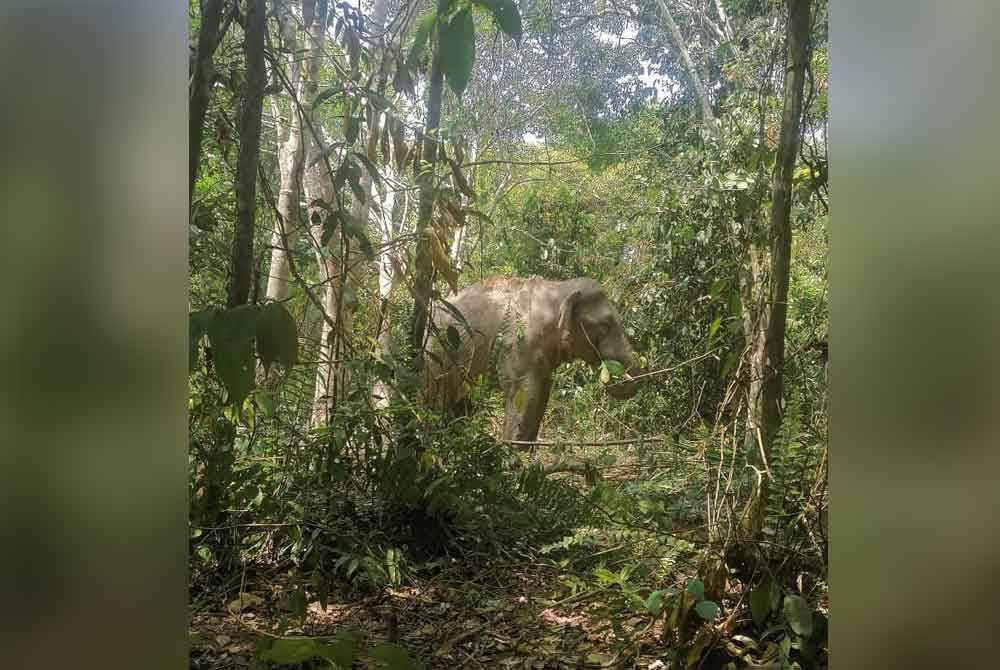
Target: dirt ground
502,616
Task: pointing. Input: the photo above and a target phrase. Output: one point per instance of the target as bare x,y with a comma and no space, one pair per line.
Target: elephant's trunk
624,389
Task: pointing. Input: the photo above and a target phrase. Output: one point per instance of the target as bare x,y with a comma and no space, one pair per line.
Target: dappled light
508,334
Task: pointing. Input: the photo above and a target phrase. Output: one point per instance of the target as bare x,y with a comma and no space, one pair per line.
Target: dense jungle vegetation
350,164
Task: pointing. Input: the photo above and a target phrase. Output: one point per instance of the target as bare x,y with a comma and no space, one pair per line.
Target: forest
508,326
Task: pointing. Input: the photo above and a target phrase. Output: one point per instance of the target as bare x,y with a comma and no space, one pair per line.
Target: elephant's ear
566,314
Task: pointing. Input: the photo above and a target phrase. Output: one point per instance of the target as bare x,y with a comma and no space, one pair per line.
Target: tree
768,338
201,84
246,169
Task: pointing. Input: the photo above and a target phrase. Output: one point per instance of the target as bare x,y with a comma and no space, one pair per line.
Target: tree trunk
769,355
706,107
423,281
290,160
340,267
388,276
246,165
201,85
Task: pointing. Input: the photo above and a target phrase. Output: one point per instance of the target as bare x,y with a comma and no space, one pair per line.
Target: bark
423,280
290,161
706,106
246,164
388,278
201,85
770,353
341,270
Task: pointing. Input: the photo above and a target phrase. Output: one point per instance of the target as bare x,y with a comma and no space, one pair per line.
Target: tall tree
291,151
702,93
246,165
200,89
768,364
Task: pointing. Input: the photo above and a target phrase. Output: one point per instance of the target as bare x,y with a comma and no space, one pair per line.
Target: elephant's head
589,329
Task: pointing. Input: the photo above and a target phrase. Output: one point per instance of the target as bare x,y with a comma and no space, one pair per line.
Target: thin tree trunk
706,106
768,409
423,280
246,165
201,85
388,277
291,155
341,273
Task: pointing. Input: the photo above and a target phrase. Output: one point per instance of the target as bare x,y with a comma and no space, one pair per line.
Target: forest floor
493,615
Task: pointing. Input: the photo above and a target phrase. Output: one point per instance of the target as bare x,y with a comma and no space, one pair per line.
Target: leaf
714,327
605,373
440,260
420,41
398,134
353,227
760,602
454,340
460,180
707,610
697,589
230,332
455,312
352,125
277,336
506,15
197,327
615,368
402,81
799,615
458,50
353,45
329,228
267,402
654,603
288,650
242,602
370,167
342,651
394,657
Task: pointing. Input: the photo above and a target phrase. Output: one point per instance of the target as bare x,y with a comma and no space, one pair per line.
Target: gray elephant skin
521,330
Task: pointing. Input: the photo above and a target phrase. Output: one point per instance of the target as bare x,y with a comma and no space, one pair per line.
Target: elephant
521,330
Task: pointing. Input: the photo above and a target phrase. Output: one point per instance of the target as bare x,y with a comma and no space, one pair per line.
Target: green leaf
342,651
394,658
197,327
458,50
420,40
506,15
615,368
288,650
352,127
707,610
605,373
231,333
714,327
760,603
267,402
696,588
277,336
654,603
799,615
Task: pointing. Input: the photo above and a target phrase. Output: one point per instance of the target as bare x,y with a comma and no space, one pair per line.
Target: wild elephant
521,330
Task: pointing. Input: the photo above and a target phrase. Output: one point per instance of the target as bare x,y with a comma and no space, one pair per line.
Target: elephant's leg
525,407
